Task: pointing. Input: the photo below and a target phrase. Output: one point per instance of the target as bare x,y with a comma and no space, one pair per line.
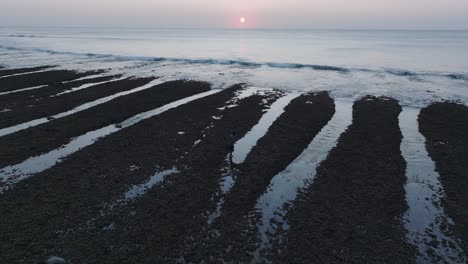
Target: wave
405,73
458,77
399,72
453,76
190,61
25,36
300,66
244,63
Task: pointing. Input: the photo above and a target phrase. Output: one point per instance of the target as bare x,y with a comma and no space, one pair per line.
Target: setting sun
193,130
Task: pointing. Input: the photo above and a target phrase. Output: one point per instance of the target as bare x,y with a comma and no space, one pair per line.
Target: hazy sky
389,14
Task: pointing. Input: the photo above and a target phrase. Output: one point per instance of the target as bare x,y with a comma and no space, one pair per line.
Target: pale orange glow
297,14
242,20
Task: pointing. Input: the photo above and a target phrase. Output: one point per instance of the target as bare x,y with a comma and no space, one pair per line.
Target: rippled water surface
416,67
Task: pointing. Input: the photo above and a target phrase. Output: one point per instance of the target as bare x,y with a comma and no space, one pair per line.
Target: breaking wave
458,77
243,63
25,36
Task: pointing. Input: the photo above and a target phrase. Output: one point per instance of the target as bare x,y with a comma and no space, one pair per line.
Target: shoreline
358,190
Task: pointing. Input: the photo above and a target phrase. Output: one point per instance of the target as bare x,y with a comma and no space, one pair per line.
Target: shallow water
284,187
228,178
136,191
243,147
86,86
425,220
11,175
226,183
415,67
85,78
22,90
24,73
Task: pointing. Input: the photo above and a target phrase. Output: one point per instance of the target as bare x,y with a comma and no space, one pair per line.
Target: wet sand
445,126
162,190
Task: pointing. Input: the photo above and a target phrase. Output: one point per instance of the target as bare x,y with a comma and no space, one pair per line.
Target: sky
300,14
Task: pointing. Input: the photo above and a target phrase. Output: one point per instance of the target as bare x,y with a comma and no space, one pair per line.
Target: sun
242,20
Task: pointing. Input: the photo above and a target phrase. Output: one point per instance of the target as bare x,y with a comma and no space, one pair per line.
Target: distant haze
340,14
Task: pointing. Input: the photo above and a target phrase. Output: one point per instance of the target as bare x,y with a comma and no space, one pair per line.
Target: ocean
415,67
123,144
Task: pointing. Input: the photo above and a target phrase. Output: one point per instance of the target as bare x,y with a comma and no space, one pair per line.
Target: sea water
415,67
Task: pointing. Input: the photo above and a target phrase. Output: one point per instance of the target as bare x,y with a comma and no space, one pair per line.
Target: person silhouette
231,140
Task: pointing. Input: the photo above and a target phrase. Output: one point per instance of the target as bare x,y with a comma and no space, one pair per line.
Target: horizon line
237,28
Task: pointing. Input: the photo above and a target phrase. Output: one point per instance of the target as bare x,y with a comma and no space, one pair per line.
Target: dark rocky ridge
73,192
37,140
41,78
55,105
30,97
285,140
352,213
445,127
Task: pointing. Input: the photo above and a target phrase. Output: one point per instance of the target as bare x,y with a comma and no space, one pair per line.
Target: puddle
216,213
85,78
11,175
234,102
136,191
226,183
284,187
85,86
133,168
22,90
227,180
243,147
426,221
24,73
36,122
